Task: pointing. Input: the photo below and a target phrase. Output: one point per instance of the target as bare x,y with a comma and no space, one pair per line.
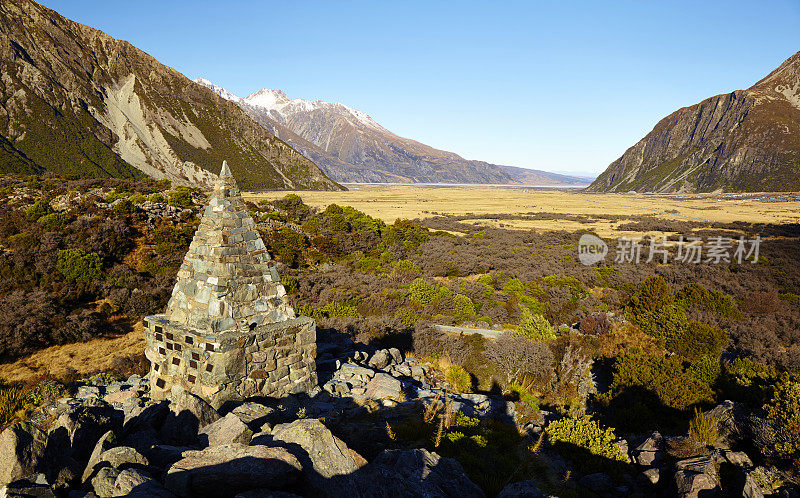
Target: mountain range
351,147
78,102
746,140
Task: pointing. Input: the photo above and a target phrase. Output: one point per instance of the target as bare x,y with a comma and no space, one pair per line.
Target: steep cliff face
748,140
75,101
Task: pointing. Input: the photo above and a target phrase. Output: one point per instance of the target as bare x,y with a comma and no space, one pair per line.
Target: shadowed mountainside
77,102
747,140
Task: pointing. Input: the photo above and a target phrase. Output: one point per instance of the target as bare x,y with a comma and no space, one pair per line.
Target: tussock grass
84,357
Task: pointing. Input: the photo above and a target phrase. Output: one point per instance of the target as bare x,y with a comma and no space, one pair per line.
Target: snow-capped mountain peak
222,92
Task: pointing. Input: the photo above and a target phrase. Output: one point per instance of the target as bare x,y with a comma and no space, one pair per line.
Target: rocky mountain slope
747,140
75,101
351,147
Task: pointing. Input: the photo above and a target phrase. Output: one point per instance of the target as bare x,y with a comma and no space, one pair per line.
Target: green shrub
783,411
586,433
487,280
116,195
273,215
535,327
408,316
696,340
37,210
421,292
703,429
53,221
137,198
463,306
706,369
339,309
747,381
171,241
513,286
572,284
404,267
458,378
125,206
157,198
407,234
76,264
163,184
368,264
665,377
695,296
181,197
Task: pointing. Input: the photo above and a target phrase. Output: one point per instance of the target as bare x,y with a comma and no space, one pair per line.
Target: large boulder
106,442
187,415
22,448
650,451
228,429
78,428
230,469
732,423
696,476
380,359
383,386
418,472
327,454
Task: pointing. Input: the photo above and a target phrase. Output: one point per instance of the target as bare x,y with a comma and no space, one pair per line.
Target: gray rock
397,356
650,476
22,450
380,359
599,482
691,484
188,414
123,456
228,429
522,489
383,386
732,423
85,392
106,442
738,458
103,482
253,414
137,483
233,468
325,454
80,427
415,472
751,488
24,488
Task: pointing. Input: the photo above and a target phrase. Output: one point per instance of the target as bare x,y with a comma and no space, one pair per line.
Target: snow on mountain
222,92
282,107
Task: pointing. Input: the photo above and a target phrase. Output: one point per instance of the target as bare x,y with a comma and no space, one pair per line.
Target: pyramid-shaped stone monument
229,331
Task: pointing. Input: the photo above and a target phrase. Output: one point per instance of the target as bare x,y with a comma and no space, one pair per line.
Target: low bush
535,327
76,264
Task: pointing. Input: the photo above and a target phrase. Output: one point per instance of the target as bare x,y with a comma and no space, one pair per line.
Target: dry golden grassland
85,357
392,202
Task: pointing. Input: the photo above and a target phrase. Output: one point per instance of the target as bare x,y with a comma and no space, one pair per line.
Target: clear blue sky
560,86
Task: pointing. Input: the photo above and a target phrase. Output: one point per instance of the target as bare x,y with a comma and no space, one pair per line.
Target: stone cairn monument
229,331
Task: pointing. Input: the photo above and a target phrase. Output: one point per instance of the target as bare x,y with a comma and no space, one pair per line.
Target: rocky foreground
112,440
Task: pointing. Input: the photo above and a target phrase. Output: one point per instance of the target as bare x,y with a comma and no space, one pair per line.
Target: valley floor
557,209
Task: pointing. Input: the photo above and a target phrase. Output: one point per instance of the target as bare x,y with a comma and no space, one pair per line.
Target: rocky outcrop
76,101
747,140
